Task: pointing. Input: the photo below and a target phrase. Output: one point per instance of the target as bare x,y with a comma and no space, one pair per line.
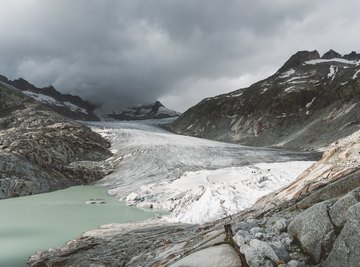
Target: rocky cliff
68,105
41,151
308,104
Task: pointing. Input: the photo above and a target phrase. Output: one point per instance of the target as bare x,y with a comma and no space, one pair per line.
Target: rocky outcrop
42,151
308,104
316,237
145,112
346,249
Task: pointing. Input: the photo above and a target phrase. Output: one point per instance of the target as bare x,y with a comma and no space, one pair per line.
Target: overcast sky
125,53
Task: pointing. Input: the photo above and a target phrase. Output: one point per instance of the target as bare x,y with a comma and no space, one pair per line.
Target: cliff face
41,151
309,103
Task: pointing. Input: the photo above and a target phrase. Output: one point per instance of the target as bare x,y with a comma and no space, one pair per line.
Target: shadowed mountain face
68,105
145,112
42,151
309,103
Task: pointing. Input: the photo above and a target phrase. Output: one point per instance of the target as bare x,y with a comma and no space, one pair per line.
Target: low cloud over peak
122,53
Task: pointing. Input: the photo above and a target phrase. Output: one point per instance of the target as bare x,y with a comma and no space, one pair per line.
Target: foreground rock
308,104
41,151
318,226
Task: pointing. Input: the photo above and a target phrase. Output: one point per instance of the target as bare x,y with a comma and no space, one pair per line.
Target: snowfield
197,180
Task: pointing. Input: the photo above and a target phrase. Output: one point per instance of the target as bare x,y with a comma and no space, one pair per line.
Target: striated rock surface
308,104
41,150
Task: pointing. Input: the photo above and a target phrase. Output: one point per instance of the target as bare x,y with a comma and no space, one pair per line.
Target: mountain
41,150
309,103
68,105
145,112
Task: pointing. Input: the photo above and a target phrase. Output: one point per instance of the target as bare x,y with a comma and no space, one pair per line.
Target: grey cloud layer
122,52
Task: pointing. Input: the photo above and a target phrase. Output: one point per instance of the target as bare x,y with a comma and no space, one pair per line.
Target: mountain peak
155,110
352,56
331,54
299,58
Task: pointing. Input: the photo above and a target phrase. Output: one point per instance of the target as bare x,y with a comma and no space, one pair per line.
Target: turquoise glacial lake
39,222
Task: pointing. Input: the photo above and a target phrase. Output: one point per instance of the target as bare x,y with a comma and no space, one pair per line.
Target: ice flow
198,180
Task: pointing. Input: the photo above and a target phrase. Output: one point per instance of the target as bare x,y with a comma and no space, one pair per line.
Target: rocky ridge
68,105
41,151
308,104
145,112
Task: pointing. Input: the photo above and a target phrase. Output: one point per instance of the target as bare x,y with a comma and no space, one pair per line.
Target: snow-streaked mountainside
145,112
308,104
69,105
41,150
198,180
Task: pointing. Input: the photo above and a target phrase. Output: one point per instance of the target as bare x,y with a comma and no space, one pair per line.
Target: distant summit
331,54
299,58
145,112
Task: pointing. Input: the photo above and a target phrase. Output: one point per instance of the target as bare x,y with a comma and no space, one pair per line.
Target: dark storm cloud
122,52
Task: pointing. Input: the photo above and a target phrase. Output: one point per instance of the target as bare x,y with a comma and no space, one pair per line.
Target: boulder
314,230
339,209
259,254
346,249
280,225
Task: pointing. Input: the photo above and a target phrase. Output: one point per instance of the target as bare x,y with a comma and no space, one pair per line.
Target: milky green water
38,222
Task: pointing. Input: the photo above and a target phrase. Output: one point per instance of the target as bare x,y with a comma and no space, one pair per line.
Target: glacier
197,180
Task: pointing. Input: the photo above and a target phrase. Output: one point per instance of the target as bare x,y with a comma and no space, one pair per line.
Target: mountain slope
145,112
41,151
309,103
68,105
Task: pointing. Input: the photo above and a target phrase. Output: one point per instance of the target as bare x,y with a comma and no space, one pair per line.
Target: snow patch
289,89
43,98
310,103
340,60
171,113
75,108
332,72
287,73
356,74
